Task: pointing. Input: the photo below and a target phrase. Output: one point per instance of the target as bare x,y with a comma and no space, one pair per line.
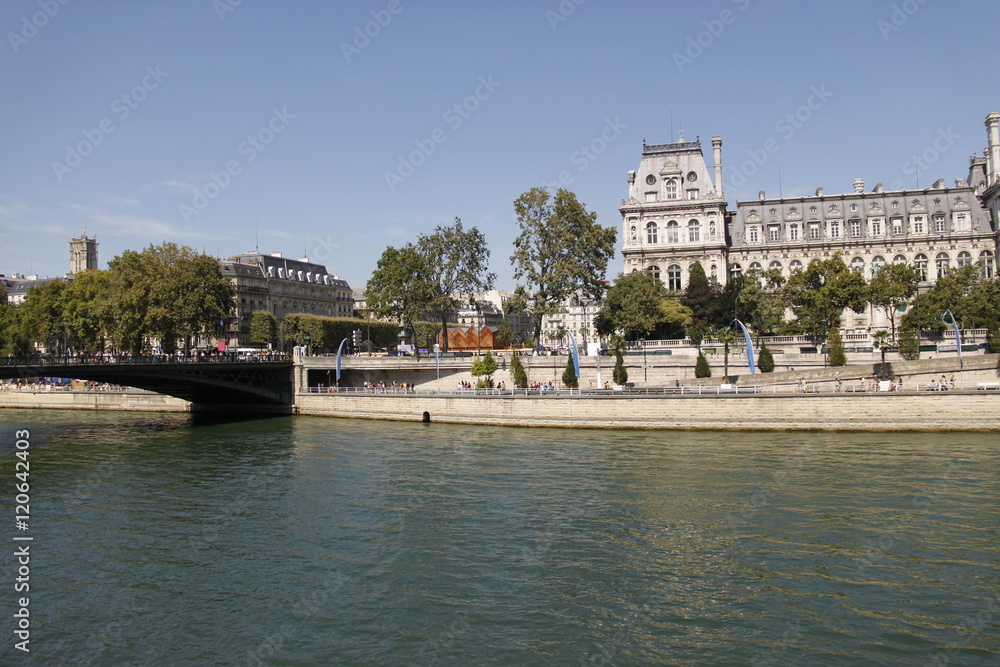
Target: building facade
935,229
282,286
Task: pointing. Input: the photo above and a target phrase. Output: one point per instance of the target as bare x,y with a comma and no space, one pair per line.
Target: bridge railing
145,359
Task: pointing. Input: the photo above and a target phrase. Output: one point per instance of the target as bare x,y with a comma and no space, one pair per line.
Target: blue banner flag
340,351
576,355
746,336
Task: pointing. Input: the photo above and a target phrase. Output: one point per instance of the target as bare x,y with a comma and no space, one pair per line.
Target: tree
85,307
701,367
697,332
569,374
263,328
633,305
454,264
952,292
42,315
560,248
762,302
822,291
883,339
836,345
727,337
392,291
702,297
765,360
484,366
892,288
909,344
517,374
619,349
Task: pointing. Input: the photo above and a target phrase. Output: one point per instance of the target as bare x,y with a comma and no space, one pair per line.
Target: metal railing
145,359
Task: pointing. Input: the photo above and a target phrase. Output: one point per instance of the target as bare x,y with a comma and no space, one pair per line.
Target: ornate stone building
936,229
675,215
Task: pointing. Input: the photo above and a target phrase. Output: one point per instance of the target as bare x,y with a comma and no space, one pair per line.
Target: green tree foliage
822,291
891,289
560,248
86,310
909,344
701,367
455,263
41,315
263,328
993,336
765,360
517,373
761,301
702,297
392,291
638,306
727,337
326,333
569,374
971,299
484,367
168,293
619,348
836,345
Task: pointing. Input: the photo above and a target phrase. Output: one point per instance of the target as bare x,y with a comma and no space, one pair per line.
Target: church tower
82,253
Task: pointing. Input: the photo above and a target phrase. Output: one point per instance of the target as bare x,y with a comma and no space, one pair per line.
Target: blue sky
335,129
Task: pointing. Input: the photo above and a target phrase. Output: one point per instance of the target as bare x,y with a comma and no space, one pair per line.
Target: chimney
717,156
938,184
878,187
761,195
993,148
819,192
859,185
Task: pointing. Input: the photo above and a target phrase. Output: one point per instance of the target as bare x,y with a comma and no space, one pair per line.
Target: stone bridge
212,384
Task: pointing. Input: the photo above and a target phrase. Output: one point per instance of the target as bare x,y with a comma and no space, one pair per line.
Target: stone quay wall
92,400
890,411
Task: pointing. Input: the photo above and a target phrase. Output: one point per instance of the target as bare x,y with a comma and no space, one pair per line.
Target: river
172,538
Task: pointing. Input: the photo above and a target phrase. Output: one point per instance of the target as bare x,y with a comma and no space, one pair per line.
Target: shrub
836,345
765,360
701,368
517,373
569,375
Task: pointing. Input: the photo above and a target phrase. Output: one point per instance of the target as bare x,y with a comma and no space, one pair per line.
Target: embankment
892,411
93,400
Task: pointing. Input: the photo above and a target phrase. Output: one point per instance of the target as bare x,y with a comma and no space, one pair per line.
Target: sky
336,129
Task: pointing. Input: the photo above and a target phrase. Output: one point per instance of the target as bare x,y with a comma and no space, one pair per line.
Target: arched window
755,266
670,188
858,265
964,259
987,264
674,277
655,270
651,235
878,263
920,263
775,265
794,266
899,259
673,232
942,262
735,270
694,231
